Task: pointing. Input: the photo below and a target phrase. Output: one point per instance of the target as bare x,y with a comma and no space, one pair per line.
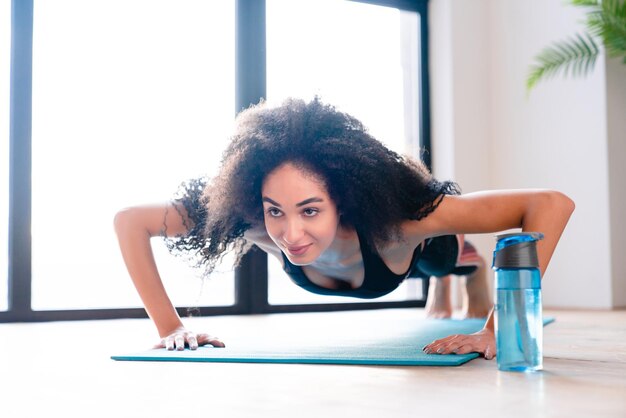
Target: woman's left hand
482,342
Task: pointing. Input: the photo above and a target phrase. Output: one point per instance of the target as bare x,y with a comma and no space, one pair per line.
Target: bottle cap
516,250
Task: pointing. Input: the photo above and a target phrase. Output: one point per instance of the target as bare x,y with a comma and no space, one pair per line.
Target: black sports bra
378,280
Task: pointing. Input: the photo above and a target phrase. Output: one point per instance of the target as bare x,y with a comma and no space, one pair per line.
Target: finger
444,341
204,339
192,341
461,344
489,353
448,348
441,346
434,346
169,343
464,349
217,343
179,340
434,349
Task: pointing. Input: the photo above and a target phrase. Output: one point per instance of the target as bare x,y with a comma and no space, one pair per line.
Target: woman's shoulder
434,224
256,233
259,237
412,233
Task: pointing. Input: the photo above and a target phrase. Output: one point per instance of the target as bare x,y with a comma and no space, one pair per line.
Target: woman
342,213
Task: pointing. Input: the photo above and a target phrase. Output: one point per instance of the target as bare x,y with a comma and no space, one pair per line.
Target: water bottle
518,318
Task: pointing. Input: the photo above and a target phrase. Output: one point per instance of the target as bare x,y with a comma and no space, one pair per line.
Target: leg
438,303
477,299
441,259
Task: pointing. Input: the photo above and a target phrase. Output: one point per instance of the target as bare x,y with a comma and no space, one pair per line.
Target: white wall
488,133
460,103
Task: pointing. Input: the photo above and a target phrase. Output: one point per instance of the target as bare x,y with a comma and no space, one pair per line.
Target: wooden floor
63,369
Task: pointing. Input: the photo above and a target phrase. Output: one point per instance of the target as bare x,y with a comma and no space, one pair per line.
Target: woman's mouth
299,250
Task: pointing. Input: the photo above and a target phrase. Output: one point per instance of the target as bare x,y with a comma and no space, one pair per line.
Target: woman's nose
293,232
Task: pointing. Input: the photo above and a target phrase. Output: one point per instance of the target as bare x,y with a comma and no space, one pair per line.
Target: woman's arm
134,227
543,211
531,210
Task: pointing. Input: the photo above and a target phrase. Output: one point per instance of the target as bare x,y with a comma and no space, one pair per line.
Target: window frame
251,277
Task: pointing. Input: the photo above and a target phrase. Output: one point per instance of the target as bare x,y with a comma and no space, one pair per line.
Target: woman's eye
273,212
310,212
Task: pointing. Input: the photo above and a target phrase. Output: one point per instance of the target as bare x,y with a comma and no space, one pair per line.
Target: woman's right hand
181,338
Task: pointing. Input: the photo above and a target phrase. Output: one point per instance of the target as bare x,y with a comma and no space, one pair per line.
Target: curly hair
374,188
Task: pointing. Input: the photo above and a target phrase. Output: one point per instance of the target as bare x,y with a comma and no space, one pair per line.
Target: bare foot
439,304
477,300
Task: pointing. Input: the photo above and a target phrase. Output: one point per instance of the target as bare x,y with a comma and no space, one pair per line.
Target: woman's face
300,217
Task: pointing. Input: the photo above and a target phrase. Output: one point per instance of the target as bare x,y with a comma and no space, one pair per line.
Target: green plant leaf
585,3
575,55
605,21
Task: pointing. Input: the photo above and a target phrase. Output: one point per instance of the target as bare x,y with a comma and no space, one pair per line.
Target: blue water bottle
518,318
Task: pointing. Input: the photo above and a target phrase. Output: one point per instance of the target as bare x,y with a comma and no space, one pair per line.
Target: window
364,62
123,116
5,58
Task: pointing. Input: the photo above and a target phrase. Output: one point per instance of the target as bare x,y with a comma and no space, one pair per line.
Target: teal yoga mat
396,344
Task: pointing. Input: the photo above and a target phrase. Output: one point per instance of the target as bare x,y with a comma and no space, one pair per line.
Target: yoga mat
394,344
